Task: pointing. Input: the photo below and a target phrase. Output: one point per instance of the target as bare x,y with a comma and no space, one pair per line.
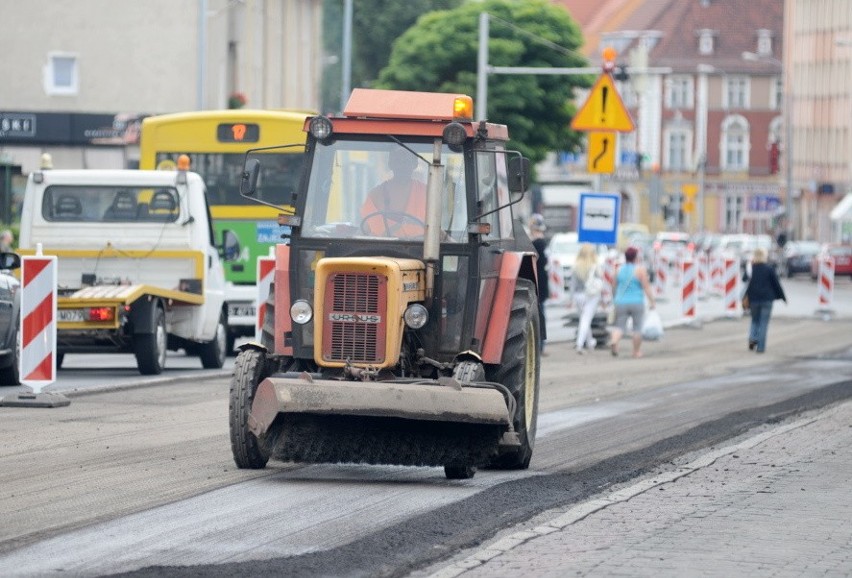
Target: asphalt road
141,480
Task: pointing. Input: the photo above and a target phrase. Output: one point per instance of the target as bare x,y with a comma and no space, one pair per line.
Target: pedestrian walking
762,290
537,227
586,289
632,285
7,239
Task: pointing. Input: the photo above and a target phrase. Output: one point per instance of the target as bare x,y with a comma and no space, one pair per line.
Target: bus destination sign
237,132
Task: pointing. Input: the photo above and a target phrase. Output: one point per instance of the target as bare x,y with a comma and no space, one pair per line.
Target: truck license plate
240,310
71,315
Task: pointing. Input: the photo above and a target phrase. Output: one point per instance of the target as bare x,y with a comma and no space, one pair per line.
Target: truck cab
138,271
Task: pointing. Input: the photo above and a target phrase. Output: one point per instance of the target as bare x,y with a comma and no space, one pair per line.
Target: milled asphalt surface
774,502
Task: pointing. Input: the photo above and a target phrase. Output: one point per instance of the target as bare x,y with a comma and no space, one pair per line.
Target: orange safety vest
378,201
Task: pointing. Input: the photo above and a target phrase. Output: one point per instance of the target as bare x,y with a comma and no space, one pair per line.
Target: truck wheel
151,347
519,371
11,375
249,370
213,352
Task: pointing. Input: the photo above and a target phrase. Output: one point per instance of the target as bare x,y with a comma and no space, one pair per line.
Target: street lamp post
787,116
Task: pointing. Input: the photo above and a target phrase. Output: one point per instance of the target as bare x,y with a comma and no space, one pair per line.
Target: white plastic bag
652,326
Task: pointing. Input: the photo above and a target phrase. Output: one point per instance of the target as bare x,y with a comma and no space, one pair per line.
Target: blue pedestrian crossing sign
598,220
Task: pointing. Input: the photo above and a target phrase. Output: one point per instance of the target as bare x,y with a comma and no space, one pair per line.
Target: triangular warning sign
604,109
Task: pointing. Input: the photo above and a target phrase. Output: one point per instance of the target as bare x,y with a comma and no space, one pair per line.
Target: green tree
375,25
439,53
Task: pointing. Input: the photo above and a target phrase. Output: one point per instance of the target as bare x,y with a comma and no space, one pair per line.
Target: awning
843,210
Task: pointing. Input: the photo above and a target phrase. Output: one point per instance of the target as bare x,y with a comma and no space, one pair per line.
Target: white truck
138,269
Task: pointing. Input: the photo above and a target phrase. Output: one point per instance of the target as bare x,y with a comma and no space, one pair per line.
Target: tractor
402,326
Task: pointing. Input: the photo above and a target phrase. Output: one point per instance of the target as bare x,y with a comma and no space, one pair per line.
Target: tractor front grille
355,318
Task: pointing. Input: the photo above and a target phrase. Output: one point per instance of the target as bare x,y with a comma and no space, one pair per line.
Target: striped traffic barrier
825,291
702,279
265,276
688,288
661,266
37,359
717,270
730,282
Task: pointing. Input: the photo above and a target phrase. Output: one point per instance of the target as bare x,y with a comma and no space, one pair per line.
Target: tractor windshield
374,188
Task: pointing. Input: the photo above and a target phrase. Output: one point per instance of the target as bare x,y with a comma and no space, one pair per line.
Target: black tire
459,472
519,372
250,369
229,347
151,347
213,352
10,375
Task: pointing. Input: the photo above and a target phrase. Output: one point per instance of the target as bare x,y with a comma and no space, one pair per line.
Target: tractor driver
397,207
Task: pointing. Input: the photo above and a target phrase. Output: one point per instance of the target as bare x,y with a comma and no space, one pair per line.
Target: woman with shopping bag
586,289
632,285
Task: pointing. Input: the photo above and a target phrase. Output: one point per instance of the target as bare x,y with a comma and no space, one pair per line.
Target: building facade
78,77
818,69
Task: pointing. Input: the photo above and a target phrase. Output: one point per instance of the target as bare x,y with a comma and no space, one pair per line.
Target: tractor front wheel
250,368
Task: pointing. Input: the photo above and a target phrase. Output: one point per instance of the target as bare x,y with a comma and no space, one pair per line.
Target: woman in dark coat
763,289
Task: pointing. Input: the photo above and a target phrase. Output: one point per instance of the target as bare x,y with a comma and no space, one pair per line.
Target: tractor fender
142,314
513,266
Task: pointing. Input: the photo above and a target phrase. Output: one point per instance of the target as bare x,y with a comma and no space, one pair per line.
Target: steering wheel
392,221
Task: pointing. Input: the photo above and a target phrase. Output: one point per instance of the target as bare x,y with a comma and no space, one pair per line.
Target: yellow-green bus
216,142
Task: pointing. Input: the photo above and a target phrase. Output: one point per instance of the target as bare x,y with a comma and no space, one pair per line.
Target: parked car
797,257
842,255
741,246
562,253
671,243
10,311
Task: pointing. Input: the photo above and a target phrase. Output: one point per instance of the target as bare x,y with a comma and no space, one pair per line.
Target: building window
61,75
677,150
764,42
705,42
680,91
736,92
735,143
733,212
776,96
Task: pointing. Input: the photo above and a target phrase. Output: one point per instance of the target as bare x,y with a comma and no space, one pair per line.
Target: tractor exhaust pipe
432,238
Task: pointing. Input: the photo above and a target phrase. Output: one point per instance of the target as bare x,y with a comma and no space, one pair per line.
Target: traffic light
621,74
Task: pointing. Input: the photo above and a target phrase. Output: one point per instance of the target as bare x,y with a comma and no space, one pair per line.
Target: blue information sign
598,219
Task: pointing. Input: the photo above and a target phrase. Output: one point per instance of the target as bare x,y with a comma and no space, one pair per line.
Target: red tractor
403,325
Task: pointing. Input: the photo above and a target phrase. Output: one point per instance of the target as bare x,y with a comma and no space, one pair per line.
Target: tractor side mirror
519,170
248,183
230,246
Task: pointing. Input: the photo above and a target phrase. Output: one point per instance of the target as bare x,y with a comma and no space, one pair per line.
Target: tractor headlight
416,316
320,128
301,312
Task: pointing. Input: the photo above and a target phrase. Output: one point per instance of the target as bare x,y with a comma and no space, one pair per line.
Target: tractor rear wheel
250,368
519,372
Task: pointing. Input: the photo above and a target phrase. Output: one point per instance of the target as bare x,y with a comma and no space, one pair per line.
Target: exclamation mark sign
604,93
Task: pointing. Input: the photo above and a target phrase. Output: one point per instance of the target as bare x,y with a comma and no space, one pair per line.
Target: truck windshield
110,204
377,189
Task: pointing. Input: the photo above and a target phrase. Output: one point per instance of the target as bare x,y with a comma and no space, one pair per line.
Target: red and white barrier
38,321
825,280
730,282
717,271
703,276
265,276
661,266
689,293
